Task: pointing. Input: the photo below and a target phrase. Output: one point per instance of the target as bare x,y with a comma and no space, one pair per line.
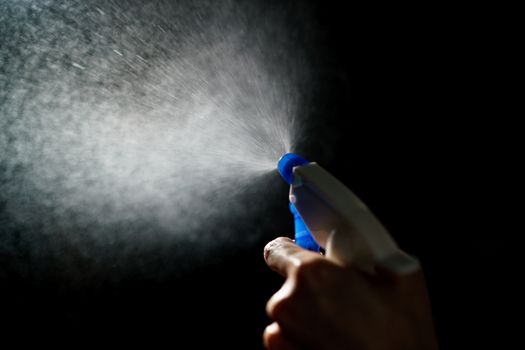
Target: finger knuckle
309,271
271,339
280,308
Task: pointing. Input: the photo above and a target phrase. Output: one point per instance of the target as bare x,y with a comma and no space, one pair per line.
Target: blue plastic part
285,166
303,238
287,163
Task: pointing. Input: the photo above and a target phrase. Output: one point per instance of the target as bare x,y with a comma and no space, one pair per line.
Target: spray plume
144,118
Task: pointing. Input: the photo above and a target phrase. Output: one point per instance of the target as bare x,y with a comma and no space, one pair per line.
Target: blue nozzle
287,163
285,166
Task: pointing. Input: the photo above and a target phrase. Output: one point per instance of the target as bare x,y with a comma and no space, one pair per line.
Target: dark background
400,95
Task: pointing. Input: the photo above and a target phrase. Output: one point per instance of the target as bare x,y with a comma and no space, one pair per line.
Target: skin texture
323,305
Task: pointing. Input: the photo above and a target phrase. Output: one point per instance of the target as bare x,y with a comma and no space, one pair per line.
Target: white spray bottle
338,220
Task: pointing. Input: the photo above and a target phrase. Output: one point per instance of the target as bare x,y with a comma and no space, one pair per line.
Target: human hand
323,305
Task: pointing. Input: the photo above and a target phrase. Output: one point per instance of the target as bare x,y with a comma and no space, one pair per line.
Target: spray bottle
329,215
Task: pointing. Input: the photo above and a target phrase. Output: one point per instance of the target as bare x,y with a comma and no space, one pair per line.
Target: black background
402,90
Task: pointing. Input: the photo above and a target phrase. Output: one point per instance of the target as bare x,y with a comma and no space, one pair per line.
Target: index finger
282,255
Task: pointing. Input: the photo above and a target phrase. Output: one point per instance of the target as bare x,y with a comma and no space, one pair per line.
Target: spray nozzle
286,164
